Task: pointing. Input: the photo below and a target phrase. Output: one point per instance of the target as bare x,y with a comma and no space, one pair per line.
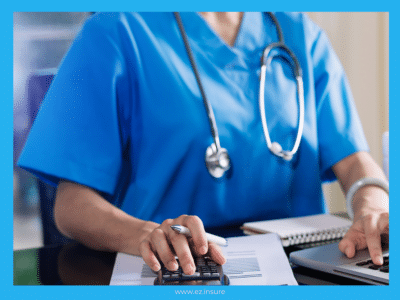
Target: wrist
367,193
370,200
139,231
146,228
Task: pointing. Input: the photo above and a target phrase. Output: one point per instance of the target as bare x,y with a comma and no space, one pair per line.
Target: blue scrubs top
124,116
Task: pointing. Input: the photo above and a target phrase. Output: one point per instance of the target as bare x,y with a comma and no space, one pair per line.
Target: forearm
368,198
82,214
370,205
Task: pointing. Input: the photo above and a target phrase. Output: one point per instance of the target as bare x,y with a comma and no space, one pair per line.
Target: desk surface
74,264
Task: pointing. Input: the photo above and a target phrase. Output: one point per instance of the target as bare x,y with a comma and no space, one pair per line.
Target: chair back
38,85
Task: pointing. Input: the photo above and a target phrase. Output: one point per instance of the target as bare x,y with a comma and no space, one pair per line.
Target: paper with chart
251,260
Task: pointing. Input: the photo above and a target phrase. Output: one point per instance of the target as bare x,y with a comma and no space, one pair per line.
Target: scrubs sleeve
76,135
340,132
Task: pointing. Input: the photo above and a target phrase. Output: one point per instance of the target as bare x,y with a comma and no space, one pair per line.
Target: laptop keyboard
370,265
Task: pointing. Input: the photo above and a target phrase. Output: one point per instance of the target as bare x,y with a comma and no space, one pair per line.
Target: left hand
368,231
370,206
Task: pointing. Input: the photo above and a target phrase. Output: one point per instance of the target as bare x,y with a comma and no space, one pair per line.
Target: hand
367,231
163,244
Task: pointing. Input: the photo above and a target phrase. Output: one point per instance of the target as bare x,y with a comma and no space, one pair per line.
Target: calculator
207,272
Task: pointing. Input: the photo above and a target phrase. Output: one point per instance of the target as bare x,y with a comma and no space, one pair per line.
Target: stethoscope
217,158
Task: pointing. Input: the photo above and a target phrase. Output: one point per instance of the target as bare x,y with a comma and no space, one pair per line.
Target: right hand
163,244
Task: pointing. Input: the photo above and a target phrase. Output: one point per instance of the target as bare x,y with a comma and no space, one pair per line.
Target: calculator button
213,269
206,271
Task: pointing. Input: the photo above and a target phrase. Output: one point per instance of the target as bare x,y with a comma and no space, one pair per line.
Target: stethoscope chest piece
217,161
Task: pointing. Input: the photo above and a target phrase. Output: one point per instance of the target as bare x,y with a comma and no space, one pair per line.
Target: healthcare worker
204,120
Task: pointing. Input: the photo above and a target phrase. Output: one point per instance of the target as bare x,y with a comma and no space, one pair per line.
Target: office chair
38,85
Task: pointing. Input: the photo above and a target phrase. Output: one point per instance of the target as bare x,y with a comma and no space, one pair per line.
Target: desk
74,264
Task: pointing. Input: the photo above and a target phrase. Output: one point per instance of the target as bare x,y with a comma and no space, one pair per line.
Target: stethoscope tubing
266,60
207,104
217,158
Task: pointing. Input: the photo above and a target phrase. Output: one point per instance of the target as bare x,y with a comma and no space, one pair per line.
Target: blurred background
41,39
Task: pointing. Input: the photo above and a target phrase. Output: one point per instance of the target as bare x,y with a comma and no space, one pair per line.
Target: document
251,260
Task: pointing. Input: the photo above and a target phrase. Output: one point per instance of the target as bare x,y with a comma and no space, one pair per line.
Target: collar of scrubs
250,41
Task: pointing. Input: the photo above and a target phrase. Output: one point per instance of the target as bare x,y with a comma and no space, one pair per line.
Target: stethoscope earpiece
276,149
287,157
217,161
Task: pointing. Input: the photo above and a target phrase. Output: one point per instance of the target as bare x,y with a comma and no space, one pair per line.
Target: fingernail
172,265
190,269
156,267
380,260
203,250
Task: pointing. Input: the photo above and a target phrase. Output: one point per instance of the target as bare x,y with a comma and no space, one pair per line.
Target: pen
210,237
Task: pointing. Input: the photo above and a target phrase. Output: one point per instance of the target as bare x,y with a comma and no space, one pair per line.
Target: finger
347,246
373,239
383,223
148,256
196,227
195,251
216,254
181,247
160,244
353,240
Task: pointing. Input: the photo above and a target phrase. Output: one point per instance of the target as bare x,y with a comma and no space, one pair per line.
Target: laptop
330,259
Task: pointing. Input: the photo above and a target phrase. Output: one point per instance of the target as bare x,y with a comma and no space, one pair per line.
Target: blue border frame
6,123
